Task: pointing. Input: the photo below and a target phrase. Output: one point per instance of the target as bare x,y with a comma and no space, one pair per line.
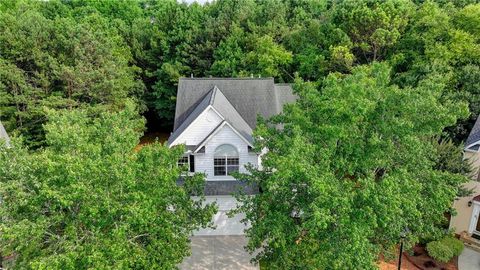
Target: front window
187,162
225,160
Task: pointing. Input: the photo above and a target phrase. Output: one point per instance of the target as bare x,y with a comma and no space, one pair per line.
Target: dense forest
387,93
68,54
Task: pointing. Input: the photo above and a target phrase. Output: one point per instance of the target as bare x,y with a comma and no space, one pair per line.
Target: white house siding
203,125
204,161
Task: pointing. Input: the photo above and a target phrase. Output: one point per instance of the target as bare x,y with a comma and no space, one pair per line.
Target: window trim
216,130
189,163
226,168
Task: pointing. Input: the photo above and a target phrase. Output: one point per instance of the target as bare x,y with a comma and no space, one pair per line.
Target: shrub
439,251
455,245
445,249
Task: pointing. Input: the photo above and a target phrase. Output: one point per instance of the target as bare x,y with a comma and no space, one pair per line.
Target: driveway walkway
220,248
469,260
224,225
218,253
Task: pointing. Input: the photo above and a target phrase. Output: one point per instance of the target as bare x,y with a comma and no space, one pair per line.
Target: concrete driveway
224,225
469,260
220,248
219,252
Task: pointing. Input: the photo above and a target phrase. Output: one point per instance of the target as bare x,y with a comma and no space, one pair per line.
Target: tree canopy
388,91
67,54
365,169
87,200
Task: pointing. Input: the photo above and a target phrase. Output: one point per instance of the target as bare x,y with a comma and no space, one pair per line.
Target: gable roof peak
249,97
214,93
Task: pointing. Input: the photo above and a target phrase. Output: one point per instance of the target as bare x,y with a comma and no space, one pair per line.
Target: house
467,222
4,135
214,119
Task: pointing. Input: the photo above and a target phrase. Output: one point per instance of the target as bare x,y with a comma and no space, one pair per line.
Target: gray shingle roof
249,97
284,95
217,100
197,110
4,135
227,110
474,135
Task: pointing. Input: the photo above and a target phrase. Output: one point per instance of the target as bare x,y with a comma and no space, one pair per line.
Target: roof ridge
214,93
250,97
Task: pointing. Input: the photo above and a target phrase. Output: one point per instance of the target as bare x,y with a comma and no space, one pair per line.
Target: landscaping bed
393,265
420,258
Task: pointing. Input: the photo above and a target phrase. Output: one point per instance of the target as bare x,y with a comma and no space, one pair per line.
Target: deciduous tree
352,167
88,200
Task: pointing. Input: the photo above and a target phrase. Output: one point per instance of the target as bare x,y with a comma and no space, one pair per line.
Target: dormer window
226,160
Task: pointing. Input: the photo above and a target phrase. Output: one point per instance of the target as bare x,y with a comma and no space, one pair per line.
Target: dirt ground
420,258
151,137
393,265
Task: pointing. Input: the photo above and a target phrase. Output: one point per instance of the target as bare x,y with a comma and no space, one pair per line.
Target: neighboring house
214,119
4,135
467,222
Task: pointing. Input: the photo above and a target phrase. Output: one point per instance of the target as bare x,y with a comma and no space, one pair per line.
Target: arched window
225,160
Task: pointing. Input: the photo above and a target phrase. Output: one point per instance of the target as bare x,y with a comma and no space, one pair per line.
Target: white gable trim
194,121
223,124
467,148
215,110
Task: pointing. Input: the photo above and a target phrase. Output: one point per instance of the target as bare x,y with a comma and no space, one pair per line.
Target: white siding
200,128
204,161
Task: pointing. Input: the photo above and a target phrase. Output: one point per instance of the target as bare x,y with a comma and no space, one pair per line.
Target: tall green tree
88,200
62,54
267,58
373,26
59,62
444,48
364,169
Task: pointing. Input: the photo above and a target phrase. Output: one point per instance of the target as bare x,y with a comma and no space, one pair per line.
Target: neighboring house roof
238,101
4,135
473,140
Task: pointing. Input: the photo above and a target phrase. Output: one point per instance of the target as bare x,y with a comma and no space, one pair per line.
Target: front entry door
477,228
475,220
